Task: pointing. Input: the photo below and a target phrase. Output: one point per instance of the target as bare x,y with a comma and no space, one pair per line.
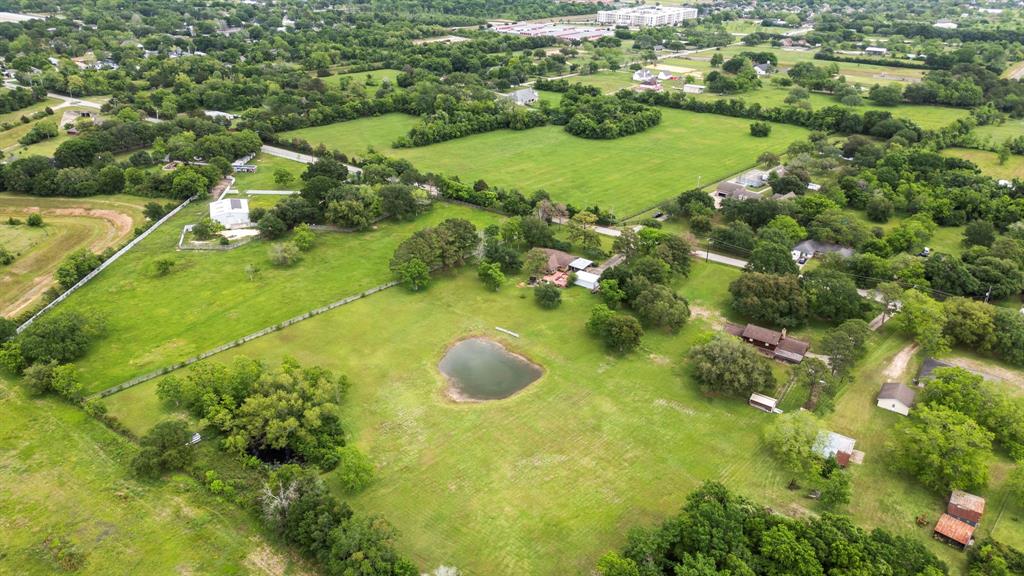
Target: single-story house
763,403
587,280
813,248
966,507
522,97
643,75
832,445
955,532
735,191
896,397
231,212
770,342
813,187
557,259
763,69
694,88
664,75
753,178
876,51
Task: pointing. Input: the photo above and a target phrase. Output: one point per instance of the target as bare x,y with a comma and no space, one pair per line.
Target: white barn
231,212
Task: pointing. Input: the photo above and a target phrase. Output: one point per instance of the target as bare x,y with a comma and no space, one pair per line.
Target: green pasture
67,476
263,178
355,137
997,134
989,162
208,299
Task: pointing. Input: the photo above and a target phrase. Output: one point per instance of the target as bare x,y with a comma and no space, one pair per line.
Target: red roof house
954,531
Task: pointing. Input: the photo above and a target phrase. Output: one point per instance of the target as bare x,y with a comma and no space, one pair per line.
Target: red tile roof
955,530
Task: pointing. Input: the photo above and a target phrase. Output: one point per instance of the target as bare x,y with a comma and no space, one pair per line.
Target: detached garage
896,397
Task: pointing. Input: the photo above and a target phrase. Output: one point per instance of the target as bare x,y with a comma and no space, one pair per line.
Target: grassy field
997,134
376,75
263,178
69,223
543,482
548,480
624,175
208,300
355,137
607,80
65,475
989,162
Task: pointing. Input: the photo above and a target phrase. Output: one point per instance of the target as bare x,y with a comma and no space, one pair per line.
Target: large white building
231,212
644,16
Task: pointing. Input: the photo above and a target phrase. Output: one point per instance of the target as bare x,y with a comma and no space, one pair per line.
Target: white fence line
103,265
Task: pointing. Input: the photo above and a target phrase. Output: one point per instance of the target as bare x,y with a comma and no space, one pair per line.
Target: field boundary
244,339
103,265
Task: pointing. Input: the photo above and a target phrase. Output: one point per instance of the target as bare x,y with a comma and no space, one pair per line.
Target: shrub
548,296
355,470
284,254
760,129
35,220
303,238
165,448
619,332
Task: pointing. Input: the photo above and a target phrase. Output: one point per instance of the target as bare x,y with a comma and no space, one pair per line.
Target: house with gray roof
522,97
896,397
812,248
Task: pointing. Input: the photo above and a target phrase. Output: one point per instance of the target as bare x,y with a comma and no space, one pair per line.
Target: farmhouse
694,88
762,402
896,397
231,212
643,75
966,507
557,259
955,532
812,248
763,69
832,445
734,191
522,97
771,343
644,16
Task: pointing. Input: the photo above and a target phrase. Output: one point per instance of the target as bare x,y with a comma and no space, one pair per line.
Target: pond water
482,369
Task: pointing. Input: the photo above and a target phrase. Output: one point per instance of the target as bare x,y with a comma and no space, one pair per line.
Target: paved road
728,261
299,157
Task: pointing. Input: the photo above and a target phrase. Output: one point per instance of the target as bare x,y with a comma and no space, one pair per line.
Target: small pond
481,369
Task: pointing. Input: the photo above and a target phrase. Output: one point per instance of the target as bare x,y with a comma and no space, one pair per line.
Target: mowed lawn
355,137
263,178
989,162
208,299
95,223
543,482
65,475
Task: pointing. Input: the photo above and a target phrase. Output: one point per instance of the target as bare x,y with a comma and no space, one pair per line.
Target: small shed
953,531
231,212
966,507
587,280
831,444
694,88
763,403
896,397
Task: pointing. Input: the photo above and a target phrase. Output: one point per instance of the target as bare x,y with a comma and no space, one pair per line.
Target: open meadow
546,481
625,175
989,162
208,298
96,223
66,476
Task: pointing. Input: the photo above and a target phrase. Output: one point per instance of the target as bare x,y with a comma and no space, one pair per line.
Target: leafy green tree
284,254
760,129
414,274
771,258
944,449
547,295
165,448
611,293
658,305
63,337
886,95
769,299
832,295
303,237
949,274
399,202
535,263
728,366
619,332
612,564
790,229
836,491
793,438
271,227
490,274
979,233
355,470
76,266
34,220
923,319
283,178
984,402
845,345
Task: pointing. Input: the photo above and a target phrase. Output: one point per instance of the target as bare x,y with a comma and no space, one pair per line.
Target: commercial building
646,16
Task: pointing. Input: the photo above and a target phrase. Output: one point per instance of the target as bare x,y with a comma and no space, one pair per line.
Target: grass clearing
96,223
997,134
263,178
989,162
355,137
208,300
66,475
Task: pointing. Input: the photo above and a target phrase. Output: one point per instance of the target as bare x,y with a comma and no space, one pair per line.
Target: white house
876,51
763,69
231,212
587,280
763,403
896,397
664,76
693,88
643,75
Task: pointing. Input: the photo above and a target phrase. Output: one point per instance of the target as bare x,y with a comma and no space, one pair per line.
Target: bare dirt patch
712,316
122,223
264,560
899,363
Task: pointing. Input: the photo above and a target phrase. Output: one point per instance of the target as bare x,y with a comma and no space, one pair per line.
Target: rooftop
956,530
897,391
967,501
